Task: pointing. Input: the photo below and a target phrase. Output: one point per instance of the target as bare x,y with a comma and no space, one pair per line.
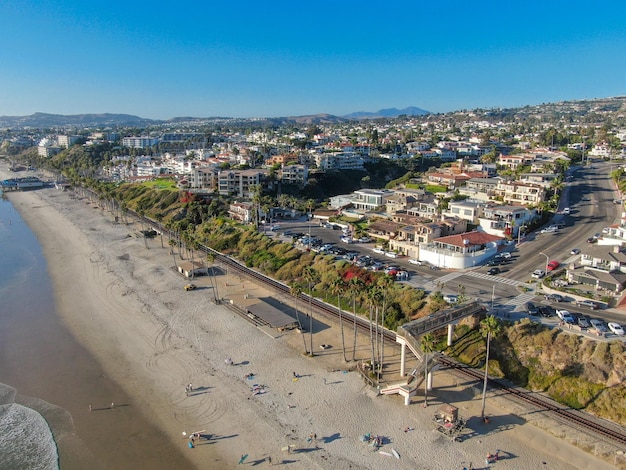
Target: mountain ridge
43,120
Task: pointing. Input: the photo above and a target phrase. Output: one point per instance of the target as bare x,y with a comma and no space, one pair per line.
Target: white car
379,251
506,255
391,254
565,316
538,274
616,328
415,262
451,298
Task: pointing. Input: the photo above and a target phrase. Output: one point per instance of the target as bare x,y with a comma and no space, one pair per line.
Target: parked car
451,298
565,316
506,255
379,251
598,325
190,287
554,297
566,211
547,311
592,240
575,251
391,254
616,328
415,262
493,271
538,274
532,309
552,265
587,303
583,322
365,239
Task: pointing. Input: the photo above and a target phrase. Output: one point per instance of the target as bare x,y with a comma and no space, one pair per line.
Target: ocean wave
26,441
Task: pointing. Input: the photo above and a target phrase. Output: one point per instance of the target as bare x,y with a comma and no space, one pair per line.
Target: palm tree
373,297
210,259
256,203
296,290
172,242
490,327
428,347
159,218
311,276
355,288
384,283
337,286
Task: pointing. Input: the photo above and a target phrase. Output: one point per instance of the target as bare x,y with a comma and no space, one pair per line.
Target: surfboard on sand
395,453
243,458
386,454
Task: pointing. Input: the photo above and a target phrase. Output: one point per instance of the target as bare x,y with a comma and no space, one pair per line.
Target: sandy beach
124,303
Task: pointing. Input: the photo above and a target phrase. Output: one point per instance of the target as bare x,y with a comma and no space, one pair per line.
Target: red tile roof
473,238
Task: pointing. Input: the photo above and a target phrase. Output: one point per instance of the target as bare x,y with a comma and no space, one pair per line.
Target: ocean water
26,440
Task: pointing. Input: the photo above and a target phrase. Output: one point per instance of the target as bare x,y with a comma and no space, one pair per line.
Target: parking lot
335,240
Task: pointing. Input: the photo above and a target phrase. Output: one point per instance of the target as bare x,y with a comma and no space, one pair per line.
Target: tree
296,290
257,189
490,327
373,297
311,276
385,284
337,286
428,347
159,218
172,242
210,259
355,288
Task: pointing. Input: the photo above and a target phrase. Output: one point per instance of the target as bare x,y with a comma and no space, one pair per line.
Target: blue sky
284,58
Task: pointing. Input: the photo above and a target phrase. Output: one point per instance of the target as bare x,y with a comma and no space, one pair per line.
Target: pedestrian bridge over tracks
409,334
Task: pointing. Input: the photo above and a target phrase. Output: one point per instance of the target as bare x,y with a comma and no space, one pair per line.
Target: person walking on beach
90,408
112,405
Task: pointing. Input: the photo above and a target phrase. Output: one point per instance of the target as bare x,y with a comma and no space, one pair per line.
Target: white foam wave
26,441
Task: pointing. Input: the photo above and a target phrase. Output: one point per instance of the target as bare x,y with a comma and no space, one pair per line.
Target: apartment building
66,141
339,161
294,174
239,183
204,178
505,221
518,192
139,142
370,200
241,212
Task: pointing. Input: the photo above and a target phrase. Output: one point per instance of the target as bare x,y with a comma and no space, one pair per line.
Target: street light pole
547,261
493,296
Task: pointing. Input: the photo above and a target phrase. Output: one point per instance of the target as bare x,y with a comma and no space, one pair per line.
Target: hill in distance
43,120
388,113
46,120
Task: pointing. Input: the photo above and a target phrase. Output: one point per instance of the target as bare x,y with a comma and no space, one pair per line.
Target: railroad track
566,415
558,411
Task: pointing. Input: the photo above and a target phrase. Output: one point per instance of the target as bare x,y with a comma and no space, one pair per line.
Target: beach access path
124,301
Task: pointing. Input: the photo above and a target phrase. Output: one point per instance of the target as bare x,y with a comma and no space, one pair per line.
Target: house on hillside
461,251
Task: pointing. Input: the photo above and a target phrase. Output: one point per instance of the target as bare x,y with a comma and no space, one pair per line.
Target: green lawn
161,183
